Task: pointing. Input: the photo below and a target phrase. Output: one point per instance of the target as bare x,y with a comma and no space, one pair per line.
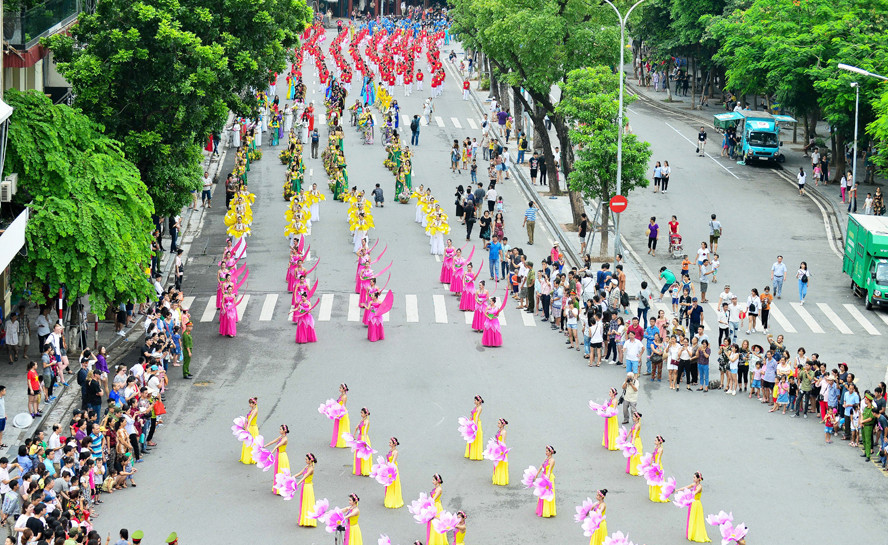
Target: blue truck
758,133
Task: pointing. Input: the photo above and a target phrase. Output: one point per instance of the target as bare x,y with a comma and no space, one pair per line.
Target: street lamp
623,20
856,86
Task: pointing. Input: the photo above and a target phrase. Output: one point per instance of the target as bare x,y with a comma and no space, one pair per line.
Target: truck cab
758,132
866,258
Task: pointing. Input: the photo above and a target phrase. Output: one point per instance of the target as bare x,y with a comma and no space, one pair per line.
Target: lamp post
856,86
623,19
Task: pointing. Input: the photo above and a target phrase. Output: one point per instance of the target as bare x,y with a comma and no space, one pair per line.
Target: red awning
24,59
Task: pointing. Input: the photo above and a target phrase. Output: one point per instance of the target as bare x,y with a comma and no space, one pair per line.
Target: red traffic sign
618,203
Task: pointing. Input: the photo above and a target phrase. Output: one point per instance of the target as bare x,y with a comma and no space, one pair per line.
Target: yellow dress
501,470
433,537
339,427
247,452
601,533
475,449
360,466
654,491
545,508
696,530
393,499
633,461
306,502
459,538
353,532
281,462
611,430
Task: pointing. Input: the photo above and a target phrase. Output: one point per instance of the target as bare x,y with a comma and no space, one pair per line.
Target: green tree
90,224
591,106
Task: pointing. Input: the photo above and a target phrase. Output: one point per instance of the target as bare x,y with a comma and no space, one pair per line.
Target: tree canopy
90,223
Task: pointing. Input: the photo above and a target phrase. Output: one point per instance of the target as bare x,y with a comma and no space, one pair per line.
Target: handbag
159,408
622,398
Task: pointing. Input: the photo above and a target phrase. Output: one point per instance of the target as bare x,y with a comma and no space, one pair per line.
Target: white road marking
412,308
439,121
209,313
707,155
469,317
385,317
455,122
322,120
502,315
326,307
354,310
242,307
527,318
857,315
268,307
807,318
187,302
440,309
422,121
834,318
883,316
472,124
437,258
405,120
781,319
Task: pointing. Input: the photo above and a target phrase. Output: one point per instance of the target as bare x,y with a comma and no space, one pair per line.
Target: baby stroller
675,247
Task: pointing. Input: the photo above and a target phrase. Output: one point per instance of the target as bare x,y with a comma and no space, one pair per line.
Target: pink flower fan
623,437
349,440
583,510
668,487
684,498
425,514
384,472
363,450
239,429
604,411
332,409
334,520
384,540
419,507
529,476
720,518
543,488
654,475
629,449
468,428
592,523
320,510
645,463
617,538
445,522
732,534
264,458
496,451
286,484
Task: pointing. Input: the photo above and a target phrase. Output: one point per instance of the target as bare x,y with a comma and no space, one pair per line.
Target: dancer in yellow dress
341,425
501,469
545,508
281,460
361,467
352,530
393,499
611,427
635,437
475,449
654,491
459,537
247,451
696,525
305,492
433,537
600,534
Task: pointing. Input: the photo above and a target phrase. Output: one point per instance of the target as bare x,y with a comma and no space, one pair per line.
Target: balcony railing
24,29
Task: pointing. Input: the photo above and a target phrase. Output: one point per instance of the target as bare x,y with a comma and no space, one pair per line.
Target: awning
785,119
5,111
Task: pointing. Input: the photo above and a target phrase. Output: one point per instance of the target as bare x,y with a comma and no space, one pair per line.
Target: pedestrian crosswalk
443,308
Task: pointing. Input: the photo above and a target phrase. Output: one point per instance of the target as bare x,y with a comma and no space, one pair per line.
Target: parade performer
314,198
342,424
361,467
433,537
611,427
281,460
467,299
654,491
479,317
447,262
393,498
635,438
501,469
696,524
600,507
437,229
375,329
545,508
459,537
475,449
247,450
456,279
305,331
418,194
351,514
492,335
305,491
228,317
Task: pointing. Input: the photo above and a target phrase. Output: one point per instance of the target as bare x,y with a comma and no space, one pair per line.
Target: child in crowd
855,427
474,171
782,395
756,387
714,264
829,424
793,393
868,205
177,351
685,266
674,290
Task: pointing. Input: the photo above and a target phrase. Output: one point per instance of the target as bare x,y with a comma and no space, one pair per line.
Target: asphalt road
766,468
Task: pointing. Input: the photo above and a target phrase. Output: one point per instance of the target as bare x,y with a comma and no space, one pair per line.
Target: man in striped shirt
530,216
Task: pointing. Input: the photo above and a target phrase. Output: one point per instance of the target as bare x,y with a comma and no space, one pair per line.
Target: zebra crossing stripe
527,318
781,319
268,307
472,124
455,122
412,308
834,318
242,307
405,120
387,316
439,121
502,316
806,317
883,316
209,313
187,302
469,317
326,309
857,315
440,309
354,310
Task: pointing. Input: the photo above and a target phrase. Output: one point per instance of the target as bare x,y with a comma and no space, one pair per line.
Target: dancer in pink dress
456,279
375,330
467,299
447,262
228,314
305,331
492,335
224,280
480,306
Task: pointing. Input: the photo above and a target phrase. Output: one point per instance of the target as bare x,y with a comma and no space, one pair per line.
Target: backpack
414,125
624,299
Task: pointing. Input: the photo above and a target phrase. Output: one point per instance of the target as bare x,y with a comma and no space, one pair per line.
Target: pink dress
480,306
305,331
375,331
364,281
363,261
220,292
291,274
456,279
467,299
492,335
366,318
228,317
447,265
